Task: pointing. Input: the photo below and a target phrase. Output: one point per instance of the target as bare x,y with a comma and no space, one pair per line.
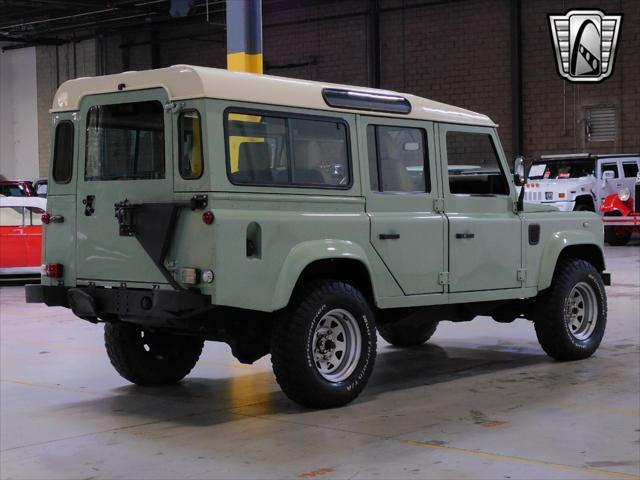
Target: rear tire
146,358
407,335
572,313
323,345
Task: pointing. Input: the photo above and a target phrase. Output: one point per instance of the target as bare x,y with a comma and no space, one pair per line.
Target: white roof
37,202
188,82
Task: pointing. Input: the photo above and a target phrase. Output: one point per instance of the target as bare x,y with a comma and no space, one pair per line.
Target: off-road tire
400,335
552,317
166,359
292,344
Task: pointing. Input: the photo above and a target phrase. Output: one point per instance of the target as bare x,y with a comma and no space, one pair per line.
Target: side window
610,167
11,216
473,165
630,169
190,149
398,159
63,153
276,149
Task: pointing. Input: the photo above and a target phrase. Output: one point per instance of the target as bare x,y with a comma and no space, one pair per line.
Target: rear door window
397,159
125,142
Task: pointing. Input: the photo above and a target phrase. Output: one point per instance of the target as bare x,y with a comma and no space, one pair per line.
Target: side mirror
608,175
520,179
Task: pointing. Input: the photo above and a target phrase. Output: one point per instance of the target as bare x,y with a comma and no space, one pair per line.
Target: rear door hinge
443,278
438,205
522,274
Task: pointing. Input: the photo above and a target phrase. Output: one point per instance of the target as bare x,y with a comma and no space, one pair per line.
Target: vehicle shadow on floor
206,402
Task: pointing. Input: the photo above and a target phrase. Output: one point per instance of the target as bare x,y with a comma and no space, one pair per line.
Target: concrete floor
480,401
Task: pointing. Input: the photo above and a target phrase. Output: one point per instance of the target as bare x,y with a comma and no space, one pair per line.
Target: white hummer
579,181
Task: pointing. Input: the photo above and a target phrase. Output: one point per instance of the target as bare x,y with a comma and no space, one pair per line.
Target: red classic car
21,234
16,188
621,215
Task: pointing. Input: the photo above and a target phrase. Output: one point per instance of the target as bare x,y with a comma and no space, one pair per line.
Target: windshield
562,169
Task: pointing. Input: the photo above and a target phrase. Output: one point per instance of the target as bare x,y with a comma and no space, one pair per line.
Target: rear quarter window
63,152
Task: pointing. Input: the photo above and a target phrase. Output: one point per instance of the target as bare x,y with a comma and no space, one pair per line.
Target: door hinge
522,274
438,205
514,206
443,278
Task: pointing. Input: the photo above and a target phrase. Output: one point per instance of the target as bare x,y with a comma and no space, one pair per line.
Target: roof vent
361,100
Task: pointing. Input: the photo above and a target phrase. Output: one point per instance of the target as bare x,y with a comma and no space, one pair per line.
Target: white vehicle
579,181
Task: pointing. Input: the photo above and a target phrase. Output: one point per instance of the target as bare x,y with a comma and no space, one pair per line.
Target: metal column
244,35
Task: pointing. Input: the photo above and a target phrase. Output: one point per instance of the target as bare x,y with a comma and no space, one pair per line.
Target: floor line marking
49,387
523,460
602,408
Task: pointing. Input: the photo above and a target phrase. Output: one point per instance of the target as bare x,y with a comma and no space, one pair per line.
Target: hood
538,207
561,182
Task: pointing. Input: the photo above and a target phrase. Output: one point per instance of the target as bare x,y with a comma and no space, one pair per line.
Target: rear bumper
91,302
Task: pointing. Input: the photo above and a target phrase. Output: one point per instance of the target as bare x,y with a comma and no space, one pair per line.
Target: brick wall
457,52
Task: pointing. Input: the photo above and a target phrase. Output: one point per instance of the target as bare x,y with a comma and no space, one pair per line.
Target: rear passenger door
485,234
406,230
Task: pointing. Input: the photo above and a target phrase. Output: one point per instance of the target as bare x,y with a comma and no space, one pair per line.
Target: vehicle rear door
407,231
125,151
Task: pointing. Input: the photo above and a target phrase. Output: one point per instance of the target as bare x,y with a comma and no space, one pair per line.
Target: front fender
613,204
305,253
556,244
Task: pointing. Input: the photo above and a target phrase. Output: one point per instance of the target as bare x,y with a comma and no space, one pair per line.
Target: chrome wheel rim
336,345
581,311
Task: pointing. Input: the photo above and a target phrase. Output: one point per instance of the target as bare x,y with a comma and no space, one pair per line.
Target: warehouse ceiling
50,22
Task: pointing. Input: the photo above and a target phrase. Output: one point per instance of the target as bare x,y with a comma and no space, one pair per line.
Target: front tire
572,313
150,358
323,346
617,236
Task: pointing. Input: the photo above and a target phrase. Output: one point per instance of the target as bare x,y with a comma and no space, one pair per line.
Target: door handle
88,205
465,235
389,236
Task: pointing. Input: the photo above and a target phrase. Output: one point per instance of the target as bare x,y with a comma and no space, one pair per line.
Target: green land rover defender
297,219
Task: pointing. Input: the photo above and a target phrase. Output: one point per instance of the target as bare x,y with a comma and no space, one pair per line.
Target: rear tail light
46,218
52,270
207,217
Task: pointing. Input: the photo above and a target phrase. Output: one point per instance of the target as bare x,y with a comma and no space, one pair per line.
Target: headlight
624,194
